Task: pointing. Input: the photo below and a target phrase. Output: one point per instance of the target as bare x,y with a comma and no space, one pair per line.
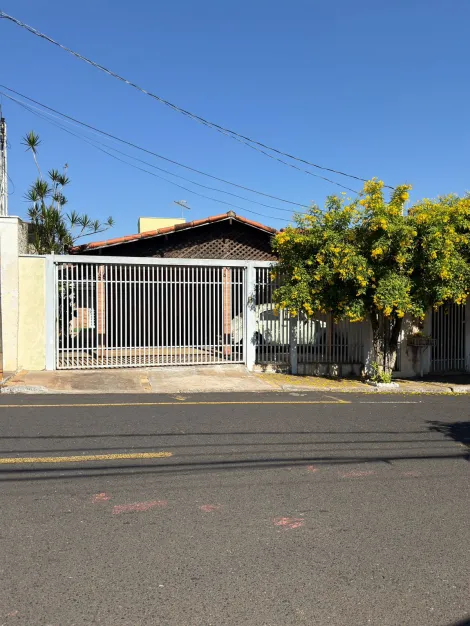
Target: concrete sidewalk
181,380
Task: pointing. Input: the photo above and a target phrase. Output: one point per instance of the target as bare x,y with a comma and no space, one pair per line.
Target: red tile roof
171,229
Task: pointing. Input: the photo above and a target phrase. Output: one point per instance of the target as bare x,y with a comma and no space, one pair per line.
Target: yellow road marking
87,457
89,404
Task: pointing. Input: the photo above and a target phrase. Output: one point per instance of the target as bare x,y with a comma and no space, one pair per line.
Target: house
225,236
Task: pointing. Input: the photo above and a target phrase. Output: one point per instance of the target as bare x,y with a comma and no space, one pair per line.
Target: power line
161,169
230,133
155,154
93,143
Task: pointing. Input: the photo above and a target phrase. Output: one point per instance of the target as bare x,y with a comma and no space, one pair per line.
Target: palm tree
53,231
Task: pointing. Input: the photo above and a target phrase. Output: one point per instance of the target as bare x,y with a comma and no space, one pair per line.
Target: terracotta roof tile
171,229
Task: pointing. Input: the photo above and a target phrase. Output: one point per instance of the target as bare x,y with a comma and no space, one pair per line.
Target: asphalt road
234,509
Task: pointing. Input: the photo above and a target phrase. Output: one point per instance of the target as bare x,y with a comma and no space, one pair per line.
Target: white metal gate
318,339
139,314
448,331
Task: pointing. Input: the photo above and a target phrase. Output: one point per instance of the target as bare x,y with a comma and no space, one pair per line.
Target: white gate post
250,318
51,295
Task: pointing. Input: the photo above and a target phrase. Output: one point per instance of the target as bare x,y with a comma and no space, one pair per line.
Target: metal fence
448,331
135,315
319,339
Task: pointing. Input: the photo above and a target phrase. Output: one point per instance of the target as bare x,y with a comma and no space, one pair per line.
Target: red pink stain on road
312,468
288,522
138,506
210,508
100,497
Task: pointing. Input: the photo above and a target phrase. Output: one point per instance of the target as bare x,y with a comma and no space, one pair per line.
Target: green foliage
53,231
378,375
369,258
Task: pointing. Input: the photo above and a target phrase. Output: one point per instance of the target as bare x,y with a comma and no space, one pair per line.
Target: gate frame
52,262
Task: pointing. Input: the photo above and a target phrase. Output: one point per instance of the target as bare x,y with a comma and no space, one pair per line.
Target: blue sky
366,87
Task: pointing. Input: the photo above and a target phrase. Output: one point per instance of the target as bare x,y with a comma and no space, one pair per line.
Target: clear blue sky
372,88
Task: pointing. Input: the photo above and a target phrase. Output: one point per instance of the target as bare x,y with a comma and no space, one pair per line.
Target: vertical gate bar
272,345
89,353
71,284
139,315
180,352
216,272
195,316
165,329
152,316
157,315
235,312
143,351
71,292
199,317
65,314
112,296
192,353
126,317
148,317
133,314
451,335
57,289
212,316
120,319
205,314
160,315
61,319
106,316
172,316
462,337
263,296
86,307
90,306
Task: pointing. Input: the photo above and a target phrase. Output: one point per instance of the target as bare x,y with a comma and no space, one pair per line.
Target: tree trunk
385,336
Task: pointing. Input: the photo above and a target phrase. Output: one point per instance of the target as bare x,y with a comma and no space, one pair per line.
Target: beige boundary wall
32,313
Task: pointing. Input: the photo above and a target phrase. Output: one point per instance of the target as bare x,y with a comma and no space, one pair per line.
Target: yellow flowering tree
370,259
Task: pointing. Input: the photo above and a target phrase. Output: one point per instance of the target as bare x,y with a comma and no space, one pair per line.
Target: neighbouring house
225,236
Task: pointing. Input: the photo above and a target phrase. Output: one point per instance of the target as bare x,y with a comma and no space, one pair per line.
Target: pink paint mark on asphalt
209,508
416,474
312,468
288,522
138,506
100,497
357,474
12,613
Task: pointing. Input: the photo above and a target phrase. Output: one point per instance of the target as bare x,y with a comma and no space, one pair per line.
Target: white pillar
12,242
250,323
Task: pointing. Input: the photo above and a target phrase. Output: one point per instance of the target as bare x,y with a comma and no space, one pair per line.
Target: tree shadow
458,431
465,622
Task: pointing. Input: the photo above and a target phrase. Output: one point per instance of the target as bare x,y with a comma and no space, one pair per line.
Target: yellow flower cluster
376,252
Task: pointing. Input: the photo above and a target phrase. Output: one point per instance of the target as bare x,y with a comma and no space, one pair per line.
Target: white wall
11,243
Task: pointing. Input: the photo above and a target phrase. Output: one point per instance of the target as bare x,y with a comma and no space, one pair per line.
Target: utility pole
3,168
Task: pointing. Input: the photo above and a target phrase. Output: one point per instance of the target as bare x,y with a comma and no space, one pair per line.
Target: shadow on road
465,622
458,431
113,469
